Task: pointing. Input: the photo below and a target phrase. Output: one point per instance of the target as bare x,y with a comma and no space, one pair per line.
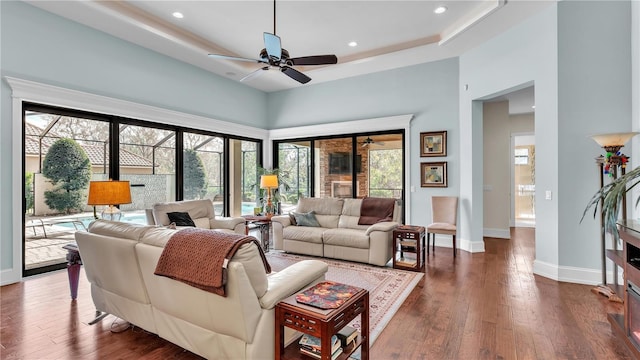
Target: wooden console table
623,325
322,324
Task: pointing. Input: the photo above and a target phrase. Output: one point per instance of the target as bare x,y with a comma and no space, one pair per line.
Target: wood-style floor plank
476,306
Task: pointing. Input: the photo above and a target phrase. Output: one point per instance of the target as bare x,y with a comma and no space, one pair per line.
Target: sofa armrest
226,223
382,226
285,220
292,279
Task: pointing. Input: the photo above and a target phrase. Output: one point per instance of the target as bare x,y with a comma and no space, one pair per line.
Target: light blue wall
577,55
594,97
525,55
429,91
46,48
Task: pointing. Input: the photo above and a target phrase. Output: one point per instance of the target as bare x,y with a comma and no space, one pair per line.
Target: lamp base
111,213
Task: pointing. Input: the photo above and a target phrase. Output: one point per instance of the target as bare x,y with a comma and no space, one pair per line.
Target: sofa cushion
305,219
158,236
346,237
120,229
327,210
180,218
304,233
249,256
196,209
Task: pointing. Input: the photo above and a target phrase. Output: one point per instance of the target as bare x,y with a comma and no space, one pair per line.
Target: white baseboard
9,276
463,244
497,233
573,274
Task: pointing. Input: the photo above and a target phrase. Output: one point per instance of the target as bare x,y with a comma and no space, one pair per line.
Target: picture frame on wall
433,143
433,174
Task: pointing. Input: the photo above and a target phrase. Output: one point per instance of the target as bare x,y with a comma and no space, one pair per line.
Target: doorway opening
524,180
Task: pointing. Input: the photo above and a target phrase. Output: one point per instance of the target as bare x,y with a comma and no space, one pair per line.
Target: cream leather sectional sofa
339,236
120,259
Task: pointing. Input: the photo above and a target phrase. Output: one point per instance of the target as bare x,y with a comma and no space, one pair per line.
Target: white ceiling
390,34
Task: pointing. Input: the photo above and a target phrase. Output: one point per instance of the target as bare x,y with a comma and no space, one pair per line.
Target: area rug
388,287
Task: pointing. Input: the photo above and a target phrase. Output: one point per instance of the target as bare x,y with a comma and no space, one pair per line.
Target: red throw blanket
199,257
374,210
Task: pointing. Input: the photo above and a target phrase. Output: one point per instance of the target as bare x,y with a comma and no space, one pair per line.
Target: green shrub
68,168
195,184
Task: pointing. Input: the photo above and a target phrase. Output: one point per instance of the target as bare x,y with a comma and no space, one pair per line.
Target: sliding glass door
347,166
62,154
147,159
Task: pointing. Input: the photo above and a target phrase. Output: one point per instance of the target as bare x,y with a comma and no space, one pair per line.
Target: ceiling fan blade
273,45
315,60
254,73
227,57
295,74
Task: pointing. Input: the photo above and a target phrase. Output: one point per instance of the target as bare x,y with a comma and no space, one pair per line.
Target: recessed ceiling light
178,15
353,44
533,106
440,9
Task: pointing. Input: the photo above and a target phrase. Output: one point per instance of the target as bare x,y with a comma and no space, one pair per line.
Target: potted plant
610,197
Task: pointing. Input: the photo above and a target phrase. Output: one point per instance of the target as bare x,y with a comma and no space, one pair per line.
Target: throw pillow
292,219
181,219
306,219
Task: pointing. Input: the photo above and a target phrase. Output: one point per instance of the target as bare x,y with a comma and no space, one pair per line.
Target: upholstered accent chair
444,212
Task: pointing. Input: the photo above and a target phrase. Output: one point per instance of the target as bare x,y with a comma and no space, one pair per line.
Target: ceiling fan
369,141
274,56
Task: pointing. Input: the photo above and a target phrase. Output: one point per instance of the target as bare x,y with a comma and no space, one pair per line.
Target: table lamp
109,193
269,182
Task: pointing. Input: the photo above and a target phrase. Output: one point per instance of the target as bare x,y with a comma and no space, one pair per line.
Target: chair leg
428,237
455,249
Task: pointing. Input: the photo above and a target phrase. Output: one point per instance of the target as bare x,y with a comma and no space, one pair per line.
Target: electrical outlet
547,195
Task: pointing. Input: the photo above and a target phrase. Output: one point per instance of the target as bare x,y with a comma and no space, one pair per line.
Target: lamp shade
613,139
268,181
109,193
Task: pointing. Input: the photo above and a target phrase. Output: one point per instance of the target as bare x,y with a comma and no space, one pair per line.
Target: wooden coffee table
322,324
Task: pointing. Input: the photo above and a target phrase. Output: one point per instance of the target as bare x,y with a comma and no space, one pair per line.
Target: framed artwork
433,174
433,143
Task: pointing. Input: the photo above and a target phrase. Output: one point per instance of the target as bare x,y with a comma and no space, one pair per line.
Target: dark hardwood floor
478,306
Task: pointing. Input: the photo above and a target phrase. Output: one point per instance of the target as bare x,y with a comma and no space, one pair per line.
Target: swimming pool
139,216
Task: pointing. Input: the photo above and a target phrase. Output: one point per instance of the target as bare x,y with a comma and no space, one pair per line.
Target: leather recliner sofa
120,259
339,236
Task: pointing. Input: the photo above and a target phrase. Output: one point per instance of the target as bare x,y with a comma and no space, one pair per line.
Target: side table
263,223
322,324
73,268
408,247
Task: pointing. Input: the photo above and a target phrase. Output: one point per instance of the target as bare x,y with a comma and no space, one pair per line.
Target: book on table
318,355
311,345
346,335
